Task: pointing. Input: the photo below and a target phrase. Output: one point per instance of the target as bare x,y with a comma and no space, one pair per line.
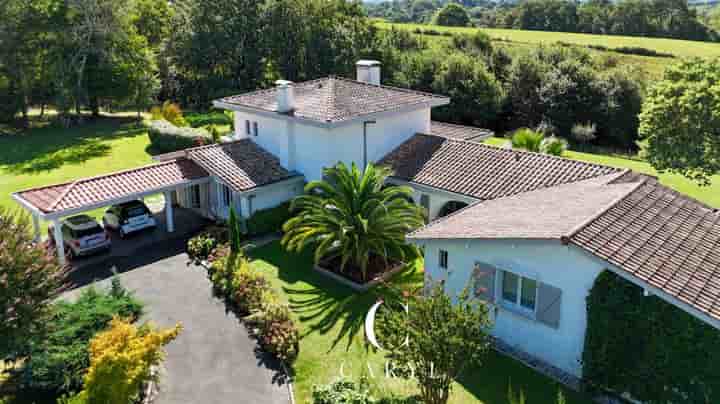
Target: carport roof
89,192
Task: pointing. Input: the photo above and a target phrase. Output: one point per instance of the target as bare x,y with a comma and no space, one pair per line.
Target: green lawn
331,320
707,194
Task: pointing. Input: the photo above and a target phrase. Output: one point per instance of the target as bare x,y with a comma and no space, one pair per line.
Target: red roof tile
89,191
483,171
334,99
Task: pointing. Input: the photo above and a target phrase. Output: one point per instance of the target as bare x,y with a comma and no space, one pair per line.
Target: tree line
651,18
80,55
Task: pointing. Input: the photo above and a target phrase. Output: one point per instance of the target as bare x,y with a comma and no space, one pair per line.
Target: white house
528,232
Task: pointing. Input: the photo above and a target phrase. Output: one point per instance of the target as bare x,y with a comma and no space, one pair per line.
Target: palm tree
527,139
352,215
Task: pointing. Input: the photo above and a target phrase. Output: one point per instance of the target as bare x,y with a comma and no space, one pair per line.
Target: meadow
515,40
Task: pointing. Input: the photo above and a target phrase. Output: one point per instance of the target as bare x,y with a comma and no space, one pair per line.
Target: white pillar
244,207
36,228
169,212
59,242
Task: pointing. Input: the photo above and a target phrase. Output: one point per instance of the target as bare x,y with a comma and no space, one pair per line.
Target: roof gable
334,99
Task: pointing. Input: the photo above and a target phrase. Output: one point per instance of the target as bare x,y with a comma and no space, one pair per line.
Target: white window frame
517,305
443,258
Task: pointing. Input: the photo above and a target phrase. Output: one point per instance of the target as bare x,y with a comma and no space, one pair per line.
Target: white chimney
368,71
285,96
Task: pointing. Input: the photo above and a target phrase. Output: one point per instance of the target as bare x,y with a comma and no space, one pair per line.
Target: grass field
331,319
708,194
515,40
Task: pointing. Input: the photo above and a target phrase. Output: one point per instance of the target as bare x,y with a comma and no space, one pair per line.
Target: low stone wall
359,287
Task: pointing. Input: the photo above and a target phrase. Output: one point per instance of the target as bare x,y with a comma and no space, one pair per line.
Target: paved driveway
213,361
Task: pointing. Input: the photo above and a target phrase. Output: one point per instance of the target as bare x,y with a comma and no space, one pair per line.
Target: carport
54,202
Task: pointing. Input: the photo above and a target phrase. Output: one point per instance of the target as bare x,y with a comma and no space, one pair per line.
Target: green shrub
553,145
250,289
221,251
270,220
201,246
222,272
584,133
342,391
214,117
58,361
527,139
278,333
647,347
166,137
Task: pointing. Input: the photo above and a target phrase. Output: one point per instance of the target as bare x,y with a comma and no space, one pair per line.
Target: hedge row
267,221
647,347
166,137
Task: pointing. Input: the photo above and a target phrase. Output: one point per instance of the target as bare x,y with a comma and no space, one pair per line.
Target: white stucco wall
308,148
265,197
549,262
438,198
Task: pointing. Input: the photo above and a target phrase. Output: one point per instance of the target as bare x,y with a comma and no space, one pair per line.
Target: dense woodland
653,18
88,55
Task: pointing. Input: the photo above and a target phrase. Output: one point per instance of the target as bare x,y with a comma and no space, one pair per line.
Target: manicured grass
331,320
707,194
48,154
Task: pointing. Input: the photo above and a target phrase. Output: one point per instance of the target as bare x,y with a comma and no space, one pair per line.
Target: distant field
520,40
676,47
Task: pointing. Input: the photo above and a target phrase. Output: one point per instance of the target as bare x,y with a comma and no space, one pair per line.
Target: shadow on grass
50,147
323,305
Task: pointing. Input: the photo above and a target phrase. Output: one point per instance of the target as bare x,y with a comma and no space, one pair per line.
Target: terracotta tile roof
241,164
546,213
334,99
89,191
664,238
483,171
452,131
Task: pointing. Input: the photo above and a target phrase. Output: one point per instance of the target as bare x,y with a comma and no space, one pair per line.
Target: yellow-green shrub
121,359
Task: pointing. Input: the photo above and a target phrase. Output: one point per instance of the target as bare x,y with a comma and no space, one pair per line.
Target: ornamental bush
278,333
250,289
647,347
121,361
166,137
553,145
343,391
201,246
58,361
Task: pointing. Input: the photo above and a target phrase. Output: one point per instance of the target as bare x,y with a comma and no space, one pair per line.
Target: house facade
527,233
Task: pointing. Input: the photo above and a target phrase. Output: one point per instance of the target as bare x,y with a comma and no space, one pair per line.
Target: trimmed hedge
166,137
647,347
270,220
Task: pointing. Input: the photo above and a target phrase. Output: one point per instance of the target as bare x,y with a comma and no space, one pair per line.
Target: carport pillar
169,212
36,228
59,242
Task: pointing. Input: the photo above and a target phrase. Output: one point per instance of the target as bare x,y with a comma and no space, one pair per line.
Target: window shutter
483,285
548,310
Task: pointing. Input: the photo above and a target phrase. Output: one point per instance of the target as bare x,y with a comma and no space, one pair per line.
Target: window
255,128
251,199
195,196
519,291
247,127
443,259
226,195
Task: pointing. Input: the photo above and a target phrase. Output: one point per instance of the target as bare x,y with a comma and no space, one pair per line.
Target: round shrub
201,246
166,137
250,290
278,333
553,145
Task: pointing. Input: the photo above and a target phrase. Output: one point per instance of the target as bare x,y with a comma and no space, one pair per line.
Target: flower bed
378,271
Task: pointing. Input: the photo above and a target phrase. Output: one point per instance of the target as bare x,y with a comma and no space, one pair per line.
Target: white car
82,235
129,217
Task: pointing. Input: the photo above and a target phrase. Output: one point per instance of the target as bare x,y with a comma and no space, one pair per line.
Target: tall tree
452,15
680,120
30,278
